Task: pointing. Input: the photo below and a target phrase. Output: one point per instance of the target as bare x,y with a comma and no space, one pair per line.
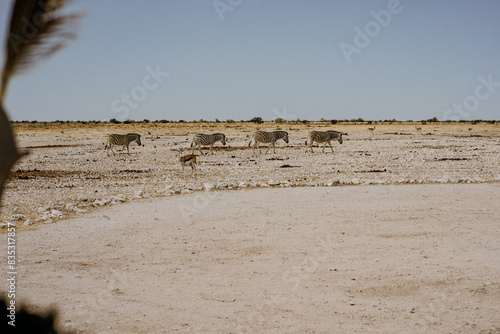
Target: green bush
257,120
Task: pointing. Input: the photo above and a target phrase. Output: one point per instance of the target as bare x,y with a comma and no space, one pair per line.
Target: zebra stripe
122,140
201,139
324,137
268,137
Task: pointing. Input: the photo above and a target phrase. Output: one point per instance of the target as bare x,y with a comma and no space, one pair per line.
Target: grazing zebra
122,140
268,137
324,137
207,140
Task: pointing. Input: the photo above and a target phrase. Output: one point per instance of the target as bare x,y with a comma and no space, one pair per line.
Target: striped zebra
122,140
201,139
324,137
268,137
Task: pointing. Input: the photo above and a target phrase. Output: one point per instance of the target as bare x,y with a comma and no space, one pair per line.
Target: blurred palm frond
36,31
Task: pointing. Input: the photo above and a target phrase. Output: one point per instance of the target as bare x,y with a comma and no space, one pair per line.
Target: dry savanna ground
67,164
395,231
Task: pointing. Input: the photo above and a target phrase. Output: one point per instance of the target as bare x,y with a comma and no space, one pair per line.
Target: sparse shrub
257,120
334,121
280,120
128,121
230,121
114,121
360,120
145,121
433,119
163,121
305,121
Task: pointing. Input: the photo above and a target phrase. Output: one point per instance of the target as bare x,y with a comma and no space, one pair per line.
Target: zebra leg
199,149
256,148
212,148
330,143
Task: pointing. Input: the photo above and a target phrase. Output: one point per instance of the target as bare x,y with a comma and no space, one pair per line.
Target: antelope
187,160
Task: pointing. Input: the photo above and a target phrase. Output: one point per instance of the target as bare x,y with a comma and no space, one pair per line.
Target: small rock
28,222
264,185
43,209
77,209
118,199
70,207
83,198
138,194
57,214
101,202
17,217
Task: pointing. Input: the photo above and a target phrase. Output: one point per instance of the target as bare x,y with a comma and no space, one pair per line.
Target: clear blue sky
237,59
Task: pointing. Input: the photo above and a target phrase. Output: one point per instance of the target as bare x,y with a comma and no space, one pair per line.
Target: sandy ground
396,231
352,259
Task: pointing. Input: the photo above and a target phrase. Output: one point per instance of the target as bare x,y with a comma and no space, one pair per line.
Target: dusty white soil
394,232
354,259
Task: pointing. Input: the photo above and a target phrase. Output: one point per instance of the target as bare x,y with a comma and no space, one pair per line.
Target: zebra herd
200,140
258,137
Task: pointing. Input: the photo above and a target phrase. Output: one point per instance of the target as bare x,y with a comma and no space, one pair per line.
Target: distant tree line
260,120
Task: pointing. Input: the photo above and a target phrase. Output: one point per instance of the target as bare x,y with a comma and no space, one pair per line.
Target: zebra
207,140
268,137
324,137
121,140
